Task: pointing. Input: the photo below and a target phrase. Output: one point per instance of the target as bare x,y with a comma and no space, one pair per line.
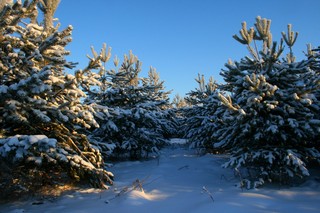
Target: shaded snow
179,181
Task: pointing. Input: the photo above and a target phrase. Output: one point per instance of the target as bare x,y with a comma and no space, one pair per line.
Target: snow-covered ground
179,181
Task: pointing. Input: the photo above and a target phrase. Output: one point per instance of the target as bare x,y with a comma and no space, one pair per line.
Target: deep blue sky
181,38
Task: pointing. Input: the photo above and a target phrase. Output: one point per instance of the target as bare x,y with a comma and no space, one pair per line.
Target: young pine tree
137,120
200,118
271,117
38,99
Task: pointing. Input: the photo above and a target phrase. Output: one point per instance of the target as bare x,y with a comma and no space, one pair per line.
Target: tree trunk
48,7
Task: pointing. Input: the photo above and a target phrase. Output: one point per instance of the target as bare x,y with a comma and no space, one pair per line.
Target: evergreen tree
200,119
271,118
137,120
38,98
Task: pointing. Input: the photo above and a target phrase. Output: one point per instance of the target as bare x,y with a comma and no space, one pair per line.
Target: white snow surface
178,181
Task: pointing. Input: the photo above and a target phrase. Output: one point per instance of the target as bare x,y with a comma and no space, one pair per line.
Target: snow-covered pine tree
38,98
136,124
271,118
159,98
200,117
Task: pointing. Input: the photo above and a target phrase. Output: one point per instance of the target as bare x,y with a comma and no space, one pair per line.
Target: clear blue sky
181,38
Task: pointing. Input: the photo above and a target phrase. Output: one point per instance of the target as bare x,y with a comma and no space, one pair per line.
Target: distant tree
38,98
271,118
178,101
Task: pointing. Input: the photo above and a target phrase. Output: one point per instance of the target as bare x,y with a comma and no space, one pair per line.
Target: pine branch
205,190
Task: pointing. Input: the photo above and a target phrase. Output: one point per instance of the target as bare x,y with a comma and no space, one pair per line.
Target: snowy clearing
179,181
